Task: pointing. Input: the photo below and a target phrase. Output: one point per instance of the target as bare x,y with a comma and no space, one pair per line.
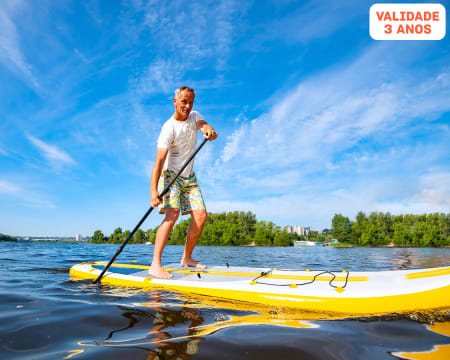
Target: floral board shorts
184,193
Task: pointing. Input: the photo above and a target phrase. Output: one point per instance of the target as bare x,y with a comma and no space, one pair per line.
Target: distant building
298,229
78,237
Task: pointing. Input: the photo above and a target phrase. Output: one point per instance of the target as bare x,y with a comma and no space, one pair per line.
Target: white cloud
436,190
318,204
160,77
51,152
29,197
81,55
290,209
333,111
10,49
232,146
9,188
321,137
191,32
224,31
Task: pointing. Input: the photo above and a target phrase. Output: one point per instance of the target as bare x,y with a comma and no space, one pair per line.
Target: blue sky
314,117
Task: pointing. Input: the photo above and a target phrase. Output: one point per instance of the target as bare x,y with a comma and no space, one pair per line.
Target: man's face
183,104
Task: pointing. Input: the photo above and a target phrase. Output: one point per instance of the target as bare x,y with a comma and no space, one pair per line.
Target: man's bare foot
159,273
192,263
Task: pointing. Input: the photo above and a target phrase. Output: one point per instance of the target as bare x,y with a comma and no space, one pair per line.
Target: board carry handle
164,192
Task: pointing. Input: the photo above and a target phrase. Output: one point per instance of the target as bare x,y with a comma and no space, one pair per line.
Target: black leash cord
305,283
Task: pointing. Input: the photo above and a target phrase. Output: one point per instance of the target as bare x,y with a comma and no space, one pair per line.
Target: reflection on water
175,327
165,333
437,352
409,258
45,315
175,330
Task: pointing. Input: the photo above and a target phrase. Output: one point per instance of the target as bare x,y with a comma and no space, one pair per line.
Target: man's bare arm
204,127
161,155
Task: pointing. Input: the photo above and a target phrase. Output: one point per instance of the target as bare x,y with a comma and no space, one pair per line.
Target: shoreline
340,246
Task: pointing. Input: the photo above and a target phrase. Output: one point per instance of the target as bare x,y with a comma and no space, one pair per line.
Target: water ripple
46,315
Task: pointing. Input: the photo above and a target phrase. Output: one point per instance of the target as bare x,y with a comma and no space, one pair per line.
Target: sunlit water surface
46,315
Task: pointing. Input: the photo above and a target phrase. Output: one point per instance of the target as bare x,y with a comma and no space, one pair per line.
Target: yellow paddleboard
337,292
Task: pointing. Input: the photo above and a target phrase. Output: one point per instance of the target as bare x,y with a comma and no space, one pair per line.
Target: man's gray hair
182,88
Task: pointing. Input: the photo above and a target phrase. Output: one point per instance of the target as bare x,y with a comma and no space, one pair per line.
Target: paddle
119,250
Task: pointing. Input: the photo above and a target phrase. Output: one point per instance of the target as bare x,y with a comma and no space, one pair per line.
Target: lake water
46,315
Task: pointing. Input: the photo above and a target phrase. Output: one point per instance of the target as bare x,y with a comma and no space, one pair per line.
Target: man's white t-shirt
180,137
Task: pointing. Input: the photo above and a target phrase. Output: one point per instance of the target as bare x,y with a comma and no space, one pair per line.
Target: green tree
418,231
4,237
178,236
372,236
358,228
248,221
341,228
116,236
150,234
385,223
444,225
261,234
281,237
402,235
124,236
140,237
98,237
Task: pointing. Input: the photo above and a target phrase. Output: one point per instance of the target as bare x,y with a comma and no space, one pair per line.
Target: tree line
378,229
227,228
235,229
243,229
4,237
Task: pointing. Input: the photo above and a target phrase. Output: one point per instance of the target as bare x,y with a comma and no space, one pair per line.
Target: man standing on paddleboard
175,145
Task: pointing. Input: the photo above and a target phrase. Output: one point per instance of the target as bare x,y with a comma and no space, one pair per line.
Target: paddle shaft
119,250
